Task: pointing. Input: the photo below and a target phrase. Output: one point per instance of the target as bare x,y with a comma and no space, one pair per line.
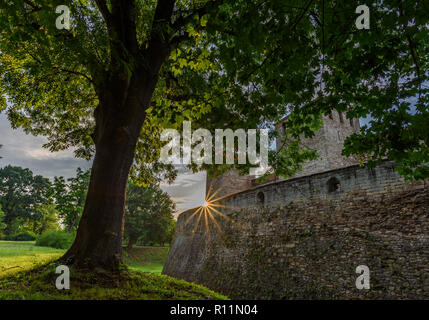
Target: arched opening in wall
334,185
260,197
351,123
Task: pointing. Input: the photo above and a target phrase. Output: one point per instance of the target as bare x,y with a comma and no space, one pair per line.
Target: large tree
127,68
22,194
47,219
70,198
148,215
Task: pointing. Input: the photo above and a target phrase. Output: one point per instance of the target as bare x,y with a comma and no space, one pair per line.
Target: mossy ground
31,275
39,283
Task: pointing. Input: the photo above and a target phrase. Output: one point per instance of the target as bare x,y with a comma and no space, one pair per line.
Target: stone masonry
328,141
303,238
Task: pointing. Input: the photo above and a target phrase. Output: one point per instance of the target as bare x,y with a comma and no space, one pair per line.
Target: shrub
22,236
25,236
55,239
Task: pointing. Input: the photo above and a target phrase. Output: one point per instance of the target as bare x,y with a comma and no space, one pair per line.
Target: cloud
21,149
188,191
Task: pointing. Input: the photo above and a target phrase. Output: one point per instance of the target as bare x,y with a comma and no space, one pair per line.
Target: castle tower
328,141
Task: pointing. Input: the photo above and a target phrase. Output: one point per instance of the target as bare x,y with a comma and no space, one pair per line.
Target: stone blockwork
228,183
304,241
328,141
336,131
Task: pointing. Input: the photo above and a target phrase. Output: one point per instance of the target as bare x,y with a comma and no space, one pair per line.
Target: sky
20,149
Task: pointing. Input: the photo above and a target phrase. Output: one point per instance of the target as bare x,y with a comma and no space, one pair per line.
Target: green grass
146,259
16,256
28,272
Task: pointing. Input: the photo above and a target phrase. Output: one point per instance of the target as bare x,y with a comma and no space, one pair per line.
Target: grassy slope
146,259
35,277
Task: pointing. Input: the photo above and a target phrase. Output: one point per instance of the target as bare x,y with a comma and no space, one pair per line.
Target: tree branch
159,46
184,20
302,14
31,4
163,11
74,72
412,50
124,21
102,6
316,18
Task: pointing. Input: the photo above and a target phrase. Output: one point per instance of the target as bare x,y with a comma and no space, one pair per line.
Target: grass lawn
28,272
16,256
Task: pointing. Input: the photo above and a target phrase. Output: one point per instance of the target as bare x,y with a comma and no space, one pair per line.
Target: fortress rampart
303,238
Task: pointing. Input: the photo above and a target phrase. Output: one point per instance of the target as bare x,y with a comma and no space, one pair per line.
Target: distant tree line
31,205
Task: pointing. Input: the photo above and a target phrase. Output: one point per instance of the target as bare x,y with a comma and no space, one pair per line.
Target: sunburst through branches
208,213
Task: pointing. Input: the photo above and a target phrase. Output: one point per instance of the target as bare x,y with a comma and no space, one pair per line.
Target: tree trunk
131,242
70,229
123,100
99,235
119,119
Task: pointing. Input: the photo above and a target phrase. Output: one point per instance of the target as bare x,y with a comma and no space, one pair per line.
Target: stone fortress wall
304,237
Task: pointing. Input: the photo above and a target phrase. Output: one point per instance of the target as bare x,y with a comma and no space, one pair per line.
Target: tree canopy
148,215
239,63
22,196
70,198
2,224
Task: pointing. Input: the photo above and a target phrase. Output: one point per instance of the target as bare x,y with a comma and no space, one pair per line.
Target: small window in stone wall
340,114
334,185
260,197
351,123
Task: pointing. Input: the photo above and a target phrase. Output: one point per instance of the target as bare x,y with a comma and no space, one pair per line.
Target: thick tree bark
119,119
99,236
